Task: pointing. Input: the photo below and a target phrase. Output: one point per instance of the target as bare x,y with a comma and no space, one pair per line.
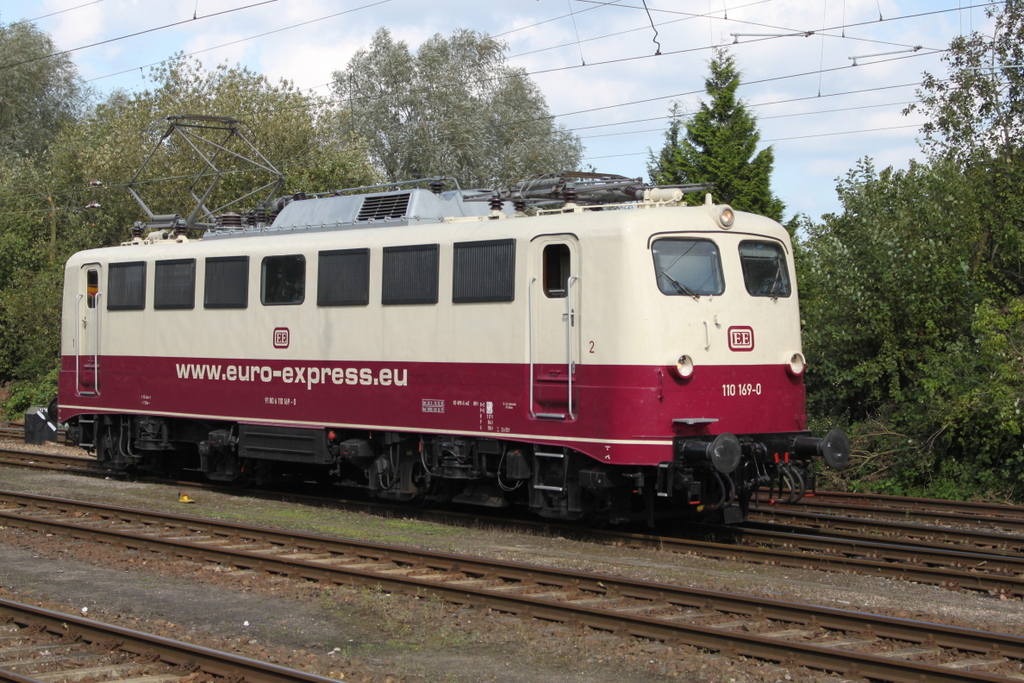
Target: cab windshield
688,267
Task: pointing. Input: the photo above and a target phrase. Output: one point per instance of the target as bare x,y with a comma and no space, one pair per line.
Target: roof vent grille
384,206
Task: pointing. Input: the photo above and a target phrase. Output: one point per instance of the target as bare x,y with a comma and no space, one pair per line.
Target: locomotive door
554,327
87,336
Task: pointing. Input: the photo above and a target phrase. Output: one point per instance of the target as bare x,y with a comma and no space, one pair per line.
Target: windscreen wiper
681,288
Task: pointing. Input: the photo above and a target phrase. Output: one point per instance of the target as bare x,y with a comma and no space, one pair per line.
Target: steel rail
169,651
987,543
761,646
814,520
973,579
969,509
67,463
894,551
993,573
921,515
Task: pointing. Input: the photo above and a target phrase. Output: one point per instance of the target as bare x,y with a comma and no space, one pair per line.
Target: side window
126,286
92,287
175,284
283,280
764,269
557,267
410,275
484,271
343,278
227,282
688,267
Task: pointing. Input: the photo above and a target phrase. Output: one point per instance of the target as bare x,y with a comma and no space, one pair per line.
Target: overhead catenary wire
11,65
295,160
860,91
243,40
694,92
597,5
773,140
53,14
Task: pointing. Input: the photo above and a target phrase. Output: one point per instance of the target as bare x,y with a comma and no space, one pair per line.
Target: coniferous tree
719,147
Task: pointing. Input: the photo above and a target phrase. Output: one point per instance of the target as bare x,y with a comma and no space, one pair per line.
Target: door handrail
96,346
78,343
570,322
529,298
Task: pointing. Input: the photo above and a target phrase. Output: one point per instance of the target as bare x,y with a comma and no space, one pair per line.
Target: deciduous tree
914,294
39,93
453,108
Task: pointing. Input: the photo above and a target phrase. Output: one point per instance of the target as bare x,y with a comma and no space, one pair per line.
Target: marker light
684,367
797,364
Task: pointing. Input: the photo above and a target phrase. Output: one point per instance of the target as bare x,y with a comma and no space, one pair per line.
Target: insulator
496,203
137,231
634,192
519,206
569,194
256,216
229,220
182,229
437,186
299,196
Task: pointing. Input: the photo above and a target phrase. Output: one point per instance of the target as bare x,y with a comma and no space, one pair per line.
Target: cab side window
557,268
92,287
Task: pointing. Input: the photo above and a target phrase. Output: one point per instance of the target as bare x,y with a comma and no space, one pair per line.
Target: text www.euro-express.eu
308,375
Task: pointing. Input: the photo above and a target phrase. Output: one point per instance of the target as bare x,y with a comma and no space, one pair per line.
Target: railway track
43,646
970,565
909,532
836,499
1001,518
845,641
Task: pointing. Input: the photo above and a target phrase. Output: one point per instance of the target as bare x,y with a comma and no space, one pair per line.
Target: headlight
726,216
684,367
797,364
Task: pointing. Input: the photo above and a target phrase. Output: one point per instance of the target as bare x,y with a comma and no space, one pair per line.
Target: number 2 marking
591,346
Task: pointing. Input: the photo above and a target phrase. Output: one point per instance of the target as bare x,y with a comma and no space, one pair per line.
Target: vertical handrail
529,298
570,314
96,346
78,343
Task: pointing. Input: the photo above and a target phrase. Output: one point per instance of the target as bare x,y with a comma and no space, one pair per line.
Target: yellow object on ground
183,498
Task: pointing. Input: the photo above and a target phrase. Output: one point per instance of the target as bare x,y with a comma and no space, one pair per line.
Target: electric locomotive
580,345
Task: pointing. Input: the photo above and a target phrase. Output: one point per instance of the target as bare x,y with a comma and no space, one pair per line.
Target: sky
827,79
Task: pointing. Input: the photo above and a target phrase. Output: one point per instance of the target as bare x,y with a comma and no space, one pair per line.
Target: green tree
38,93
719,147
453,108
903,338
73,196
976,118
913,296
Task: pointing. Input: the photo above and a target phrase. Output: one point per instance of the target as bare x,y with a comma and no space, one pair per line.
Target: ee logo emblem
281,338
741,339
